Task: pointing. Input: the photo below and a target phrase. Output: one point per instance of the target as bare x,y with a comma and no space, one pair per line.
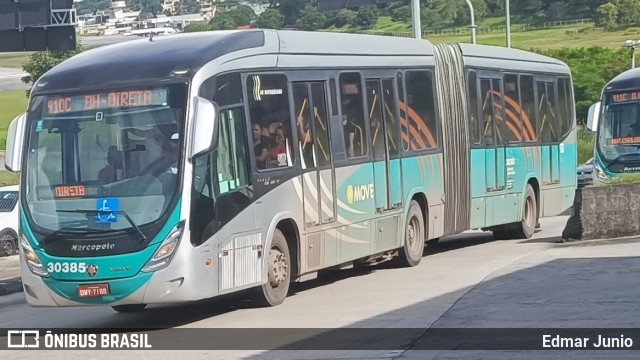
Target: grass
12,103
625,179
585,145
9,178
14,59
571,37
549,38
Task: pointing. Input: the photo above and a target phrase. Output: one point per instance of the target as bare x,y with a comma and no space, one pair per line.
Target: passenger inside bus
278,152
160,149
260,146
109,173
349,126
634,130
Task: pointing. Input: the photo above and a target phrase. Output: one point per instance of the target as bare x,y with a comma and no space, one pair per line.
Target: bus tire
129,308
527,226
414,234
275,290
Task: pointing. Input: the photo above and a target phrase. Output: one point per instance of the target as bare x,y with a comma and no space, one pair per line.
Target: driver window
232,157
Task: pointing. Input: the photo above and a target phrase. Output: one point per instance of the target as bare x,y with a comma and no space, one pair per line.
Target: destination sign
625,140
106,100
625,97
70,191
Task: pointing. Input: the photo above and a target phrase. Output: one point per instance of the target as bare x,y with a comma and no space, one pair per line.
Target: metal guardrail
484,30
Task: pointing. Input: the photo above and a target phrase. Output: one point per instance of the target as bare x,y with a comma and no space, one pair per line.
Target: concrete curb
10,286
595,242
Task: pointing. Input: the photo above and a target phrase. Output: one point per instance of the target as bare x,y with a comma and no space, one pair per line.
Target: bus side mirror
205,126
594,114
15,141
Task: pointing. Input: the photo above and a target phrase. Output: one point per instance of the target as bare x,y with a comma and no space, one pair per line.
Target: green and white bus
616,121
184,167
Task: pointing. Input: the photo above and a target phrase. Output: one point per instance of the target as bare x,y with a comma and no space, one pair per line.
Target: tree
195,27
223,21
591,68
188,7
242,15
607,16
366,17
270,19
402,13
630,13
344,17
311,19
146,7
42,61
291,10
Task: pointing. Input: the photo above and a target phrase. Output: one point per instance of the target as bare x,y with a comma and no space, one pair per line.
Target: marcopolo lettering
93,247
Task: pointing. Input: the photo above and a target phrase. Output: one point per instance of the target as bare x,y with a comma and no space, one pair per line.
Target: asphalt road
10,79
465,281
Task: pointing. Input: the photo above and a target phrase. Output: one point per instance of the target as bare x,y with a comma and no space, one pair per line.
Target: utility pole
473,22
633,45
415,17
508,16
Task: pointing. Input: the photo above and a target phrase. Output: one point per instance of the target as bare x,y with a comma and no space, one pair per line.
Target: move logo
359,193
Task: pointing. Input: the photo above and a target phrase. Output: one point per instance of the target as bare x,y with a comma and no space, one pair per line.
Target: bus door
384,124
495,135
548,120
312,126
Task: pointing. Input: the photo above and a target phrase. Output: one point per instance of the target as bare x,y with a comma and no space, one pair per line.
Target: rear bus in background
615,119
202,164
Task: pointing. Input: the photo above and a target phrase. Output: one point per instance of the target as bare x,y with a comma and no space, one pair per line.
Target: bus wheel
129,308
529,221
275,290
411,253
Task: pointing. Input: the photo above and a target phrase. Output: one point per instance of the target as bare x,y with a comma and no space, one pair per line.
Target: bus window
321,124
228,89
374,98
390,116
474,117
270,120
355,135
403,113
49,157
564,108
487,112
512,109
547,111
530,129
304,129
231,163
421,110
334,97
102,154
220,191
499,113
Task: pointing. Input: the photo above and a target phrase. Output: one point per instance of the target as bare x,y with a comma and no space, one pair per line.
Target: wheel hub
277,267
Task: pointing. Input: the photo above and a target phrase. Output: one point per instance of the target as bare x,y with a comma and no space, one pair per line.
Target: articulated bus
181,168
616,121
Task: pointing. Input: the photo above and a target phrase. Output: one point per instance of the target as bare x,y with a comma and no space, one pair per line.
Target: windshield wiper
69,230
96,212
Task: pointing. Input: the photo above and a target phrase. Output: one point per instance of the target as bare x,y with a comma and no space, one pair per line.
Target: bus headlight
34,263
164,254
602,176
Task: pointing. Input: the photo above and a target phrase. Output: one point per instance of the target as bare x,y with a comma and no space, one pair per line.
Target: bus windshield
114,151
619,133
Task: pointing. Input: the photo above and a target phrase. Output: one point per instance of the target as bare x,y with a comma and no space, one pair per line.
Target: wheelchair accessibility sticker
110,207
